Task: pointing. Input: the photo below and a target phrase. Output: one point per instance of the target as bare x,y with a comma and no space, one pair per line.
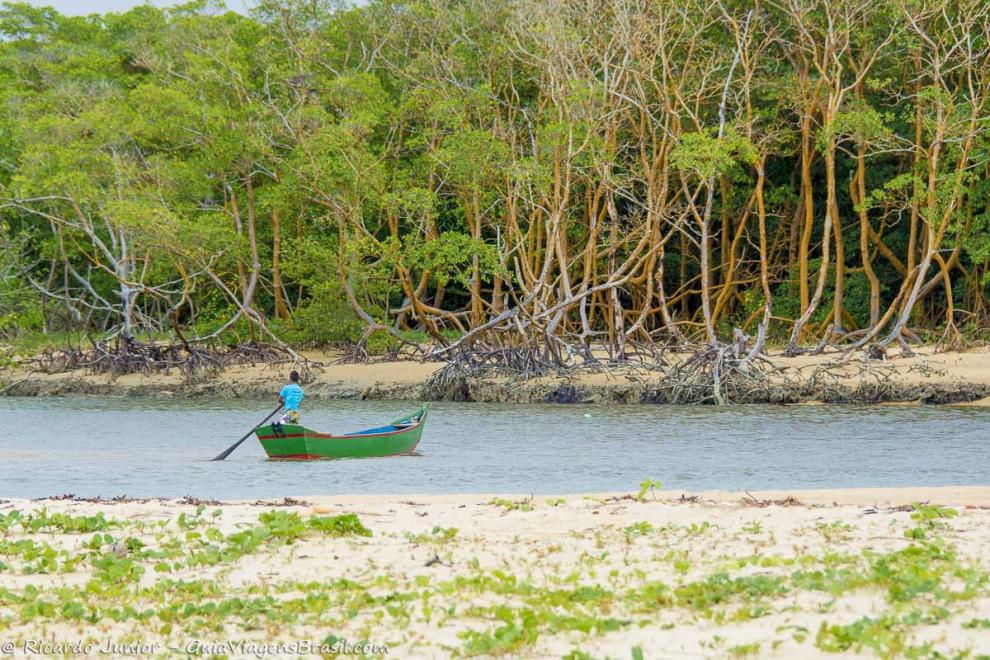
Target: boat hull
293,442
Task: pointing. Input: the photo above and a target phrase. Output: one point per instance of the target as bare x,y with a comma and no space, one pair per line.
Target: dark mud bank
561,391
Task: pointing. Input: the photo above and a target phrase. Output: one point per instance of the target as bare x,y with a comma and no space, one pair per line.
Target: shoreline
973,496
776,574
976,496
926,378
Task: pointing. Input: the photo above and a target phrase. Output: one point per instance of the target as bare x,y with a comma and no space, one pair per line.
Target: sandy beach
882,572
926,377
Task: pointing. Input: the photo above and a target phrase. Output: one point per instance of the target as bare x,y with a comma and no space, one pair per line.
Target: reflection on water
146,448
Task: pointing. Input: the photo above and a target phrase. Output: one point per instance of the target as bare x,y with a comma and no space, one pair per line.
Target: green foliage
706,155
641,528
446,144
787,300
861,123
648,486
43,521
516,632
976,242
20,309
929,518
325,320
472,158
745,650
448,257
327,317
512,505
347,524
881,635
117,570
720,587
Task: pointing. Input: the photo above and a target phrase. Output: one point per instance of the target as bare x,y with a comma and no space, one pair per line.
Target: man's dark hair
294,376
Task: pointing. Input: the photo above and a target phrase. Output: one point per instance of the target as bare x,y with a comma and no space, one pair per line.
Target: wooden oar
247,435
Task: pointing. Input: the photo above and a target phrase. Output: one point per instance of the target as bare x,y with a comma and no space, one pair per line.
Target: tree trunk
281,309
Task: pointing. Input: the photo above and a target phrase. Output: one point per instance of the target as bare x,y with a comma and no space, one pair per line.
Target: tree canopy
588,174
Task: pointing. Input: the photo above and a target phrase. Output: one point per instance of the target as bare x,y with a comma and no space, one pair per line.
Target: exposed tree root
128,356
551,358
730,386
951,340
357,353
451,383
713,374
724,374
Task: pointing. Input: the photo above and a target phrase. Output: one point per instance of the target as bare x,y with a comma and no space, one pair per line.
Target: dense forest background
590,173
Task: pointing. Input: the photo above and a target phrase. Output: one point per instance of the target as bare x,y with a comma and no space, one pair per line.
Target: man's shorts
290,417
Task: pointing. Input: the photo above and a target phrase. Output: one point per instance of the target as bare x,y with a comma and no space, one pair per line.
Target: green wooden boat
290,441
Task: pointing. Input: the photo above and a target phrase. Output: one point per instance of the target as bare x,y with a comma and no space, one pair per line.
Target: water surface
145,448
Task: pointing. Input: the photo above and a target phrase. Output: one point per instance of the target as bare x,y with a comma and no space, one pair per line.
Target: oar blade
221,456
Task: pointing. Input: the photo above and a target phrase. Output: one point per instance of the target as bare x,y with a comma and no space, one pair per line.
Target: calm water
161,448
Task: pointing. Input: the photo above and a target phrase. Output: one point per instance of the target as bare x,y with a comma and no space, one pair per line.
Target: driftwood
187,500
751,500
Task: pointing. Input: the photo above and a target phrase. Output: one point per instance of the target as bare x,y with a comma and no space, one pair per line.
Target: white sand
609,540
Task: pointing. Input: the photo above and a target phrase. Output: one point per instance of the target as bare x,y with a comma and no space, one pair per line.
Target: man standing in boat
291,397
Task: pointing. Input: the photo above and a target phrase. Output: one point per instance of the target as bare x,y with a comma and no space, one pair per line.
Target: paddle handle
247,435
